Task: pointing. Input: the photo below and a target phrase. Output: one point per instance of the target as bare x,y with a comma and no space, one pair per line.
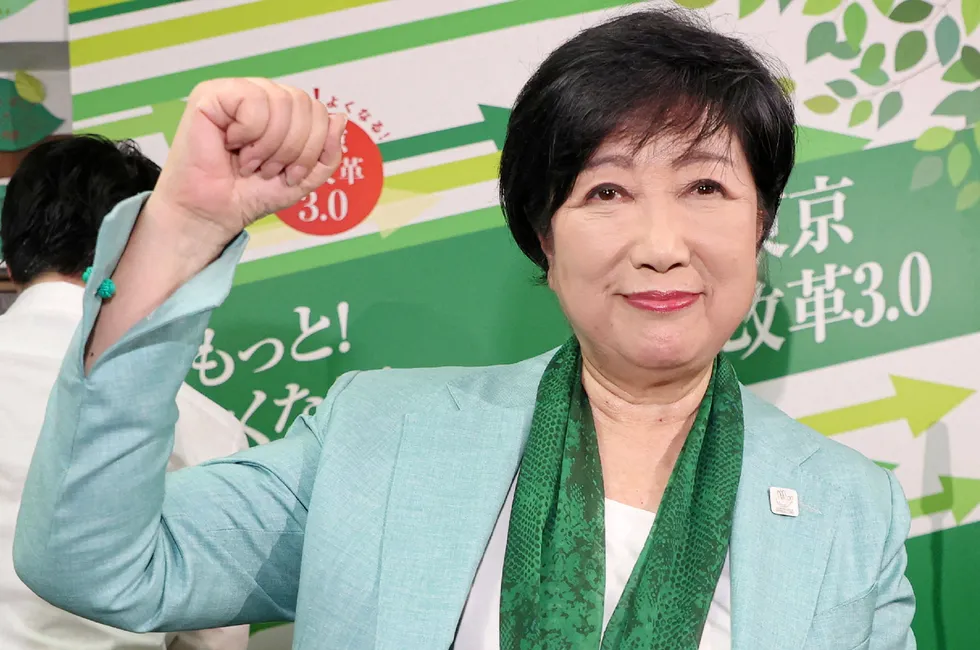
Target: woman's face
653,255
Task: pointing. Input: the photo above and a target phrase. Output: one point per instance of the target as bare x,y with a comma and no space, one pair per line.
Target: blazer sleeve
106,533
892,628
205,431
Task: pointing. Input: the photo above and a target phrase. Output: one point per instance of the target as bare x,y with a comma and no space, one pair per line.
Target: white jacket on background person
35,333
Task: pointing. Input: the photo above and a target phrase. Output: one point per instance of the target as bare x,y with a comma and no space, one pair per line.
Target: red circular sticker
348,197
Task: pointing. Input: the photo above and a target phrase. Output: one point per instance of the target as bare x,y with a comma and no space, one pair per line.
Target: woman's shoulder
773,436
400,390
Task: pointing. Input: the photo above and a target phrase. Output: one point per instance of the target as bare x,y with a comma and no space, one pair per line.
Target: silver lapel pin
784,501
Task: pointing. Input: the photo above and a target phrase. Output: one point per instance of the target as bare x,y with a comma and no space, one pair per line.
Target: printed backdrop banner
867,328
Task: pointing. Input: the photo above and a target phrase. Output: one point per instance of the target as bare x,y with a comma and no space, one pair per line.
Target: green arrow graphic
493,126
959,495
920,403
162,118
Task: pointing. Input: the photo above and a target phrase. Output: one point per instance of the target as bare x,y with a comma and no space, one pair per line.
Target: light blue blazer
366,524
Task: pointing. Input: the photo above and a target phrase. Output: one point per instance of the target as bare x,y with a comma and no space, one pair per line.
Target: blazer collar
778,562
453,470
456,464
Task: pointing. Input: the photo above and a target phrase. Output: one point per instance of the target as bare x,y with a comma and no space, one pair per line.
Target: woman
505,507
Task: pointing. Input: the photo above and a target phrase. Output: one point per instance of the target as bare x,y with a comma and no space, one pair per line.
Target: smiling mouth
662,301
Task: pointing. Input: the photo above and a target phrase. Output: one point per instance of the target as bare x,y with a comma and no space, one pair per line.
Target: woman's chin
661,353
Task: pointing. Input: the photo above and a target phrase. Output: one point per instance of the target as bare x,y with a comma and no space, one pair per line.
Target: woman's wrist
183,244
166,249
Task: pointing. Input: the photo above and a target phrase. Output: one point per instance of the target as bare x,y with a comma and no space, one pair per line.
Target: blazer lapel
778,562
451,477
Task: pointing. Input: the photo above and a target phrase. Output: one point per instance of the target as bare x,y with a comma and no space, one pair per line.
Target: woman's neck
653,404
641,429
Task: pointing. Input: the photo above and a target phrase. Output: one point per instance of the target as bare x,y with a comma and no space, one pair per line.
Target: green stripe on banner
113,9
330,52
198,27
351,249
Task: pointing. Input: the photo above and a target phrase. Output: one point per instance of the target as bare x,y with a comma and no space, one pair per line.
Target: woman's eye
706,188
606,193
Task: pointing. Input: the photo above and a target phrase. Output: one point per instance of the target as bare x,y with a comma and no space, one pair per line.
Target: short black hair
57,198
639,75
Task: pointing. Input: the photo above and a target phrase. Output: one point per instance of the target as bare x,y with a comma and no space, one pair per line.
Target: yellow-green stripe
197,27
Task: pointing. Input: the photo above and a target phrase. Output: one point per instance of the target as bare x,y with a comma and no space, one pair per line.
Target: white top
34,335
627,529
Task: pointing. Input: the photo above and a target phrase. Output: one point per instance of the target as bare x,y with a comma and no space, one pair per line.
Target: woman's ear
547,244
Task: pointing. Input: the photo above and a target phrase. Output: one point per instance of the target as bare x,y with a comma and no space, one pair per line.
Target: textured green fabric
554,568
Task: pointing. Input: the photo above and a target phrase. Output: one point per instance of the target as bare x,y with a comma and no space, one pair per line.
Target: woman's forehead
675,149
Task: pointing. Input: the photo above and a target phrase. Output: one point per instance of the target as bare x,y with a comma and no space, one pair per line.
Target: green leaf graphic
27,123
959,74
947,39
976,134
971,15
822,104
911,11
958,163
746,7
843,88
910,50
971,60
884,6
927,171
819,7
962,103
787,84
783,4
860,113
29,87
871,77
821,40
934,139
890,106
968,197
855,25
870,69
873,57
844,51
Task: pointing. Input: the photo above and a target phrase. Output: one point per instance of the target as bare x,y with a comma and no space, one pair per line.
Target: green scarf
554,569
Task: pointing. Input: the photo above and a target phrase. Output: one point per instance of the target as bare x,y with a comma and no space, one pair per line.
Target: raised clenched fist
245,148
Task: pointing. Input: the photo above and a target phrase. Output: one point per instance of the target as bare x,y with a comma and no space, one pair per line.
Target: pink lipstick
662,301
